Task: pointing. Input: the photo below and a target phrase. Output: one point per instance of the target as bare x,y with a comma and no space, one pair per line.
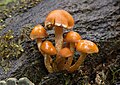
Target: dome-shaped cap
72,37
59,18
65,52
87,46
48,48
38,32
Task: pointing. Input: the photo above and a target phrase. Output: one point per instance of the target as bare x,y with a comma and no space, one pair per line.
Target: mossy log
95,20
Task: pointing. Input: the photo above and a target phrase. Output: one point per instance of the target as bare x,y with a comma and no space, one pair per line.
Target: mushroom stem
58,44
39,42
70,59
72,46
60,64
58,37
47,58
58,40
77,63
47,63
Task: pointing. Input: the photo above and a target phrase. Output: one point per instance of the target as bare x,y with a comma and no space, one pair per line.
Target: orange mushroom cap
59,18
87,46
38,32
48,48
72,37
65,52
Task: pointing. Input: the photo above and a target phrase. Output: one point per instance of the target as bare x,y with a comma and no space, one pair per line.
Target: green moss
9,8
4,2
12,7
9,47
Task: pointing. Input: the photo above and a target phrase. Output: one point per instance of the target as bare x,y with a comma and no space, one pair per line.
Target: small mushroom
59,19
48,48
85,47
38,33
72,38
64,53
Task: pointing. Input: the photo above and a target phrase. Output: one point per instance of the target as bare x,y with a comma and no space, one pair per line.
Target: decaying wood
96,20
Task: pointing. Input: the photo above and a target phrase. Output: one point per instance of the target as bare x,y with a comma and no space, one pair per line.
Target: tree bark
95,20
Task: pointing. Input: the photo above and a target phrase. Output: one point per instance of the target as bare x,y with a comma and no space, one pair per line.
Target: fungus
71,37
64,53
59,19
48,48
38,33
85,47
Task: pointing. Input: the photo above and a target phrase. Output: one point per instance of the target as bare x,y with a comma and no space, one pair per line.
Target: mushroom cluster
65,47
